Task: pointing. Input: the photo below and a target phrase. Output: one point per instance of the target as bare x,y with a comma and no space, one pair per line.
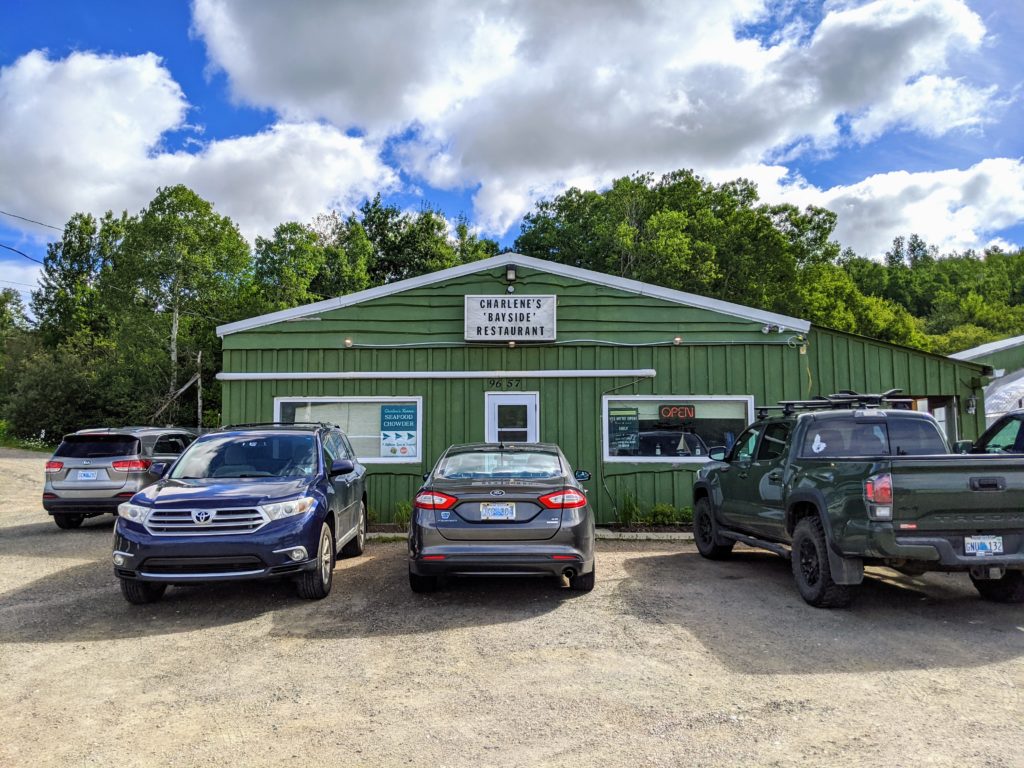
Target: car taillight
878,489
131,465
567,499
434,500
878,492
54,466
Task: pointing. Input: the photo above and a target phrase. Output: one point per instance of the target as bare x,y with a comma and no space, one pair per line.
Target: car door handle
775,476
743,474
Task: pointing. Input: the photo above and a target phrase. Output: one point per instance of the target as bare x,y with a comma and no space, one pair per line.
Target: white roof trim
504,259
987,349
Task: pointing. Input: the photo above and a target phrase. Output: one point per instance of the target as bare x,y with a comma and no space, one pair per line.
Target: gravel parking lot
671,660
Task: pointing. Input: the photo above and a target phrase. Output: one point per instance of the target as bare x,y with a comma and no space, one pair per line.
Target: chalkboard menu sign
623,431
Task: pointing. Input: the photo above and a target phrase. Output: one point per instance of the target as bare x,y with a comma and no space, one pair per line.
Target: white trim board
542,265
636,373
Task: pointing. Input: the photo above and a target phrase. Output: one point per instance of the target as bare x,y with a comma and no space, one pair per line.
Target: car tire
1008,589
583,582
67,522
316,584
422,584
705,532
141,592
355,546
812,570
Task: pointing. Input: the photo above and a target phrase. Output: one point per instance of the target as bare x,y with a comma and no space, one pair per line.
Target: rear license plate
87,474
983,546
503,511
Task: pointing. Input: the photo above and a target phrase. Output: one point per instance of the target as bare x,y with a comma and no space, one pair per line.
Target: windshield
483,464
248,456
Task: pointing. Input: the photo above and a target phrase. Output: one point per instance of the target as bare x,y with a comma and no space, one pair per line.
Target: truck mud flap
845,570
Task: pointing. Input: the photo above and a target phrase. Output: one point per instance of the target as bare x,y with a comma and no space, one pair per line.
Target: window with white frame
672,428
381,429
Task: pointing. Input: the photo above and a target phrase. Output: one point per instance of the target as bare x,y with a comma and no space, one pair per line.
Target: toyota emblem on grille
497,492
201,516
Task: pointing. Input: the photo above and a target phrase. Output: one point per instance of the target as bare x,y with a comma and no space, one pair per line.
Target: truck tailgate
960,493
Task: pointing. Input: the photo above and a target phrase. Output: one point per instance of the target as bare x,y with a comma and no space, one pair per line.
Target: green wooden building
634,381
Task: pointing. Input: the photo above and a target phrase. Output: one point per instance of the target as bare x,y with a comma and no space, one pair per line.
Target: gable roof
987,349
541,265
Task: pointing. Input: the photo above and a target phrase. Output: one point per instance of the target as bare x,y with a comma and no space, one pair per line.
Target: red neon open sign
677,412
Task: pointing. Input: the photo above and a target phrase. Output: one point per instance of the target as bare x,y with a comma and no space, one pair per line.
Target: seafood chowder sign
510,318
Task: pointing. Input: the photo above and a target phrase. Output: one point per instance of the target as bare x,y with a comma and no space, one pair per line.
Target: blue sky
902,116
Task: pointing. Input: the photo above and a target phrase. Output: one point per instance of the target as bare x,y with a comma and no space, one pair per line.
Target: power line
31,221
21,253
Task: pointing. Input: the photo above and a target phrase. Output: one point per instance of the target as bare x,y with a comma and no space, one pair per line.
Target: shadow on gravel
370,597
747,612
45,539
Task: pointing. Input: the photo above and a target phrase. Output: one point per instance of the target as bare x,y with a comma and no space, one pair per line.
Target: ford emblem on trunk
497,492
201,516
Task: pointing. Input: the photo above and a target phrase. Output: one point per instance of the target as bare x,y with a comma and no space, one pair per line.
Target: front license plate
983,546
503,511
87,474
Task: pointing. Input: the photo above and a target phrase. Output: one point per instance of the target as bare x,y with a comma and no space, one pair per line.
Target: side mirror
963,446
717,453
582,475
342,467
159,469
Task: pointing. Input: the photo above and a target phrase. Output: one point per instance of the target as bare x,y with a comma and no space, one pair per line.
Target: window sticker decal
818,445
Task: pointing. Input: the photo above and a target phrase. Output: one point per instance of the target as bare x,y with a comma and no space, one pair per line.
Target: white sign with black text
510,318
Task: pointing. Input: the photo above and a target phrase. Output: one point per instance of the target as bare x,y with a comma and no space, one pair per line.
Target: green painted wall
719,355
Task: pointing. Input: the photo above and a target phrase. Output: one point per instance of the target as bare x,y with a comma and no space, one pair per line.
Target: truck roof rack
323,424
845,398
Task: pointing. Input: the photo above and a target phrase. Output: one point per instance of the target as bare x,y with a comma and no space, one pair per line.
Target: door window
512,418
744,448
773,445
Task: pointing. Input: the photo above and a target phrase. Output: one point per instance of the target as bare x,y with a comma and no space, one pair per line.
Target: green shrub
629,513
663,514
686,515
403,514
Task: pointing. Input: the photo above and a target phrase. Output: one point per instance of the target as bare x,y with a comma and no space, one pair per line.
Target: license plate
87,474
503,511
983,546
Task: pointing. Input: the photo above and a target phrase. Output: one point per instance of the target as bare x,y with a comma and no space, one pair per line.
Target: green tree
179,271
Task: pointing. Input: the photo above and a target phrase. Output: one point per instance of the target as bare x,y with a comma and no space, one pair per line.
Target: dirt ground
670,661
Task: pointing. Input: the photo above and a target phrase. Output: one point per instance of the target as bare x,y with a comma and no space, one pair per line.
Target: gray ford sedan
489,509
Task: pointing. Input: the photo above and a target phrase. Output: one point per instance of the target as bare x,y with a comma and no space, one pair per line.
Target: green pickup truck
838,483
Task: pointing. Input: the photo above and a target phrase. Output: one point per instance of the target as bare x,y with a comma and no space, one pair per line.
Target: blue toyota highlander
246,502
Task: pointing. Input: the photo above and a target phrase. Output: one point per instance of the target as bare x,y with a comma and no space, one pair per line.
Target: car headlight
134,512
282,509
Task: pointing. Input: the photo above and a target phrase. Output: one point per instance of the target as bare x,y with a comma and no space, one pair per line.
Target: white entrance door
512,418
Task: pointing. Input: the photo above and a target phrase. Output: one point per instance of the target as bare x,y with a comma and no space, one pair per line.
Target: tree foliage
128,305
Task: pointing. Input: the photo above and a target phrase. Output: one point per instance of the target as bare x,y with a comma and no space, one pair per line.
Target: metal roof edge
987,349
542,265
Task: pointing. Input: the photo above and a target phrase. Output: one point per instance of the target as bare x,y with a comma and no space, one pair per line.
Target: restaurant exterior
635,382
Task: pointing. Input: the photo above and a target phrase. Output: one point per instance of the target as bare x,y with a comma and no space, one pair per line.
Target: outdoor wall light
511,345
765,328
510,273
972,405
677,340
348,343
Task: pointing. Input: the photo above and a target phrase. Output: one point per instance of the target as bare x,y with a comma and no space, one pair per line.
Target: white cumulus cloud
86,133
